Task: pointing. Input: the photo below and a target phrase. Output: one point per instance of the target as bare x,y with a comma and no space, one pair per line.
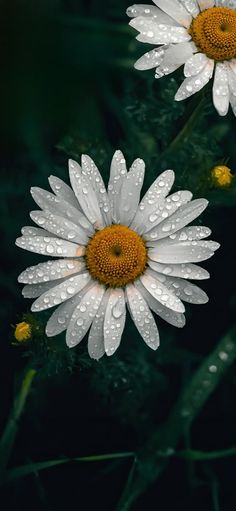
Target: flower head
22,331
112,250
221,176
201,34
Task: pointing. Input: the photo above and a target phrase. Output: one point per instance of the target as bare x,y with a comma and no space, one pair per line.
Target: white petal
195,64
226,3
30,231
174,57
90,170
177,11
233,103
221,89
191,6
164,211
85,194
114,320
186,291
161,293
182,252
35,290
96,346
150,59
232,88
60,293
151,32
59,320
130,192
117,177
83,315
53,247
154,196
193,84
63,191
48,202
192,233
206,4
142,317
51,270
60,226
232,64
174,318
187,271
183,216
150,11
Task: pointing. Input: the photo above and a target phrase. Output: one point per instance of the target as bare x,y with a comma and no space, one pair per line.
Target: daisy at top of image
201,34
113,251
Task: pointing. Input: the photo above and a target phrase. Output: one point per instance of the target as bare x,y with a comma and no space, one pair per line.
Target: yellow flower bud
221,176
22,331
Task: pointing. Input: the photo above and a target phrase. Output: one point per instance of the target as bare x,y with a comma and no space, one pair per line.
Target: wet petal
191,6
142,317
183,252
90,170
150,11
206,4
60,226
173,318
85,194
187,271
191,233
60,293
130,192
193,84
150,59
221,92
96,346
83,315
151,32
30,231
63,191
51,270
161,293
53,247
176,10
114,320
35,290
195,64
59,320
186,291
117,177
164,211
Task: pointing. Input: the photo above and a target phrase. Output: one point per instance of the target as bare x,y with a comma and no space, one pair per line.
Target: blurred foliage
68,87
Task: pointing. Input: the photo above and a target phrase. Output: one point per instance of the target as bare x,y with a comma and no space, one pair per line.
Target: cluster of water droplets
142,317
51,270
61,292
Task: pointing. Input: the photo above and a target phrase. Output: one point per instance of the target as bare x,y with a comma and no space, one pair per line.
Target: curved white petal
61,292
232,88
114,320
83,315
165,210
183,216
232,65
35,290
226,3
117,177
90,170
173,318
154,196
186,291
96,346
48,202
142,317
178,54
63,191
161,293
130,192
29,231
183,252
176,10
191,233
151,32
186,271
60,226
51,270
193,84
53,247
195,64
151,59
150,11
206,4
85,194
221,92
59,320
191,6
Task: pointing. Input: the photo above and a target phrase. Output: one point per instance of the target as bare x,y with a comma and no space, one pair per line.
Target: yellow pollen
116,256
214,33
22,331
221,176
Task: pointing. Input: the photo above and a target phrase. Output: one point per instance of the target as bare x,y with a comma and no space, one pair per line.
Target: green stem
154,456
9,434
190,454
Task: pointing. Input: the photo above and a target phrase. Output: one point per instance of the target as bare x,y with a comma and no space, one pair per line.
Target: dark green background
68,86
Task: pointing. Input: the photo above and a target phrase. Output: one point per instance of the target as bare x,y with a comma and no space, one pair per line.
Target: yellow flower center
221,176
116,256
22,331
214,33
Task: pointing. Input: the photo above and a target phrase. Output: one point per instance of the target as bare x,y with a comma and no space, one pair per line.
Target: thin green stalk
154,456
9,434
193,455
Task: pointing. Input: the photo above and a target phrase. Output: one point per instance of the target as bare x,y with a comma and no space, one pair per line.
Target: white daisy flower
201,34
113,251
